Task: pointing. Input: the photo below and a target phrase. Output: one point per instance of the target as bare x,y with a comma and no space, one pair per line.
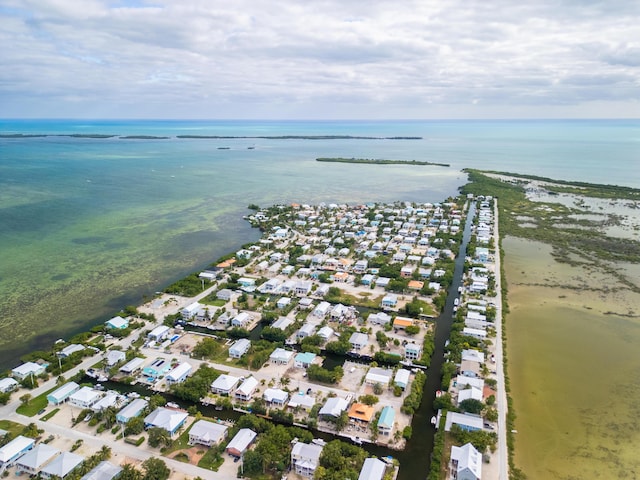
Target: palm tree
105,453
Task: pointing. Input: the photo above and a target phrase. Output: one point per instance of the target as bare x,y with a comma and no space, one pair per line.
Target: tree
206,348
412,329
377,389
129,472
368,399
471,405
104,453
134,426
25,399
155,469
342,421
158,436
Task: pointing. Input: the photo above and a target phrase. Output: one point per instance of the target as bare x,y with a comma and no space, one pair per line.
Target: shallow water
573,368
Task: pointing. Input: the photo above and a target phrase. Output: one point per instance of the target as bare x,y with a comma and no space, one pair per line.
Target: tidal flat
572,336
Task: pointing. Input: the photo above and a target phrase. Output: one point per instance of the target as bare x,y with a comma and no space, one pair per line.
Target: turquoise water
88,226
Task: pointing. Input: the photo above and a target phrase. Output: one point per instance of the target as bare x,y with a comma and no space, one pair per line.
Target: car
236,459
308,391
41,411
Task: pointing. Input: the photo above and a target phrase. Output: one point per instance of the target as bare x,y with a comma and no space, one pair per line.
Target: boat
218,407
102,378
99,387
133,395
357,441
172,405
92,373
439,393
433,420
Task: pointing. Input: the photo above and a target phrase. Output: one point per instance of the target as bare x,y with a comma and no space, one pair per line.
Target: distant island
143,137
377,161
299,137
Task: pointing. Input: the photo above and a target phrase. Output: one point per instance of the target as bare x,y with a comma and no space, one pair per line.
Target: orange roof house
402,322
226,263
361,413
415,285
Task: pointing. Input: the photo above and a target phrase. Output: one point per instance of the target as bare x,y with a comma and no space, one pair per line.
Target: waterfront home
247,282
159,333
474,333
156,369
27,369
412,351
469,368
482,254
305,458
333,407
134,409
114,356
407,271
465,463
472,355
379,318
190,311
13,450
85,397
287,287
209,275
302,401
61,395
270,286
207,433
358,340
282,323
117,323
61,466
275,397
280,356
166,418
321,291
239,348
283,302
402,322
240,443
338,312
132,365
8,385
378,375
361,414
372,469
241,320
32,462
304,359
468,394
306,331
246,390
465,421
389,301
322,309
305,303
402,378
224,384
224,294
360,266
326,333
415,285
70,350
103,471
462,382
178,374
386,421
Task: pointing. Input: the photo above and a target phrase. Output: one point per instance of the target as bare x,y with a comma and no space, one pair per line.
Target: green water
574,370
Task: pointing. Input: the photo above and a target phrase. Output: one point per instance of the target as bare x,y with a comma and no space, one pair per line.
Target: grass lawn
46,417
12,427
35,404
364,299
212,300
211,460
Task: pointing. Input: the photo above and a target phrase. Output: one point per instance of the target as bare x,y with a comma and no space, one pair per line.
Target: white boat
102,378
172,405
456,302
433,420
357,441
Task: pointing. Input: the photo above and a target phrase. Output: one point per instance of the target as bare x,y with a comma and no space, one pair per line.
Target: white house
239,348
306,330
412,351
372,469
305,458
167,418
246,390
378,375
117,323
283,302
8,385
14,450
60,395
61,466
27,369
402,378
132,365
465,421
282,323
239,444
333,407
275,397
322,309
466,463
70,350
134,409
326,332
33,461
468,394
379,318
473,355
224,384
114,356
159,333
85,397
474,333
305,402
241,320
179,373
207,433
280,356
103,471
358,340
462,381
224,294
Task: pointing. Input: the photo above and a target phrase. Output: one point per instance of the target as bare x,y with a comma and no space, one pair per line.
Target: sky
319,59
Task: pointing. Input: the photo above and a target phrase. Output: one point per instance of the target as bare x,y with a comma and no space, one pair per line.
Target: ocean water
90,225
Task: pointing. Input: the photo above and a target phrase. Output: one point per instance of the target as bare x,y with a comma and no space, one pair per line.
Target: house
239,444
134,409
462,381
306,331
239,348
70,350
110,399
247,282
473,355
178,374
379,318
13,450
465,421
103,471
156,369
27,369
8,385
132,365
62,394
304,359
224,294
190,311
466,463
305,303
114,356
305,458
280,356
275,397
389,301
305,402
386,421
322,309
402,378
415,285
333,407
159,333
85,397
224,384
412,351
166,418
62,465
472,393
358,340
469,368
382,282
241,320
338,312
474,333
361,414
326,333
378,375
282,323
321,291
33,461
207,433
402,322
372,469
246,390
360,266
407,271
283,302
117,323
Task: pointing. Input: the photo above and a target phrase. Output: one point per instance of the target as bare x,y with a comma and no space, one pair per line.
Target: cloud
204,58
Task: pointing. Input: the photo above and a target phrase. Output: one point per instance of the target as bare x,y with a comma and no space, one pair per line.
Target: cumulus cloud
203,58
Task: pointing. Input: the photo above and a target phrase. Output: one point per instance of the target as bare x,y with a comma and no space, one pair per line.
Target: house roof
372,469
27,368
402,322
103,471
402,376
468,458
85,395
14,447
379,375
118,322
461,381
133,409
7,383
473,421
275,394
63,464
64,391
37,457
325,332
469,393
240,345
109,400
70,349
248,386
183,369
242,440
305,357
362,412
158,331
309,452
359,338
281,354
387,417
115,356
473,355
302,401
225,382
282,323
208,431
334,406
132,365
166,418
